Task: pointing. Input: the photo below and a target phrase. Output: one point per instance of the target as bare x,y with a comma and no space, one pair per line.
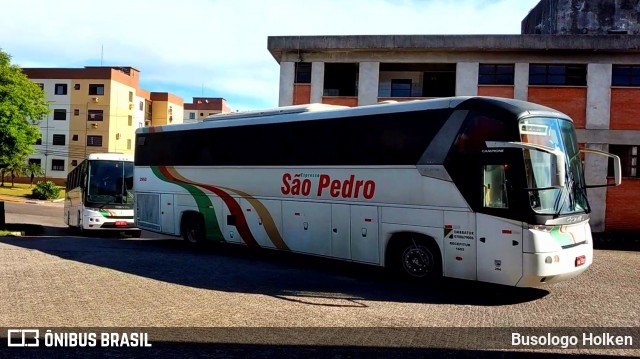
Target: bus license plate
580,261
124,223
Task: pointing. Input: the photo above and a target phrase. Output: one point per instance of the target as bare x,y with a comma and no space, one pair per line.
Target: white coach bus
99,194
476,188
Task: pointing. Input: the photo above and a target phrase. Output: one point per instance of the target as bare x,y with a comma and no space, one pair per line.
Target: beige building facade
94,109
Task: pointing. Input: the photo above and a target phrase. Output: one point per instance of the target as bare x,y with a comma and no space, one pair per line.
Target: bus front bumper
565,264
105,223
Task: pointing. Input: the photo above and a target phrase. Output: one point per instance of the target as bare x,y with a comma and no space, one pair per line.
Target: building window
341,79
130,96
76,87
57,165
74,138
59,115
495,74
562,75
61,89
201,114
96,89
95,115
76,112
624,75
141,106
95,141
303,73
628,160
74,162
58,140
192,115
39,141
35,161
129,144
130,120
401,88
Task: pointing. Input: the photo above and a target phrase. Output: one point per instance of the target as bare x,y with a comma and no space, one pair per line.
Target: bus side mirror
617,168
557,169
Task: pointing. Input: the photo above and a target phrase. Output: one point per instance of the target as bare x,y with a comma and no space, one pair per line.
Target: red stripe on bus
234,207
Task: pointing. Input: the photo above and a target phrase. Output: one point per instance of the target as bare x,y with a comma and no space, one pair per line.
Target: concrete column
368,80
317,81
467,78
596,173
287,75
598,96
521,81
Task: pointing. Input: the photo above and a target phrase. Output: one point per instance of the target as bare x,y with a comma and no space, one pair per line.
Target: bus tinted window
385,139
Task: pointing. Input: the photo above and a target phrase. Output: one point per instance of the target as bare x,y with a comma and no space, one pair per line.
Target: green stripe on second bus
205,206
563,238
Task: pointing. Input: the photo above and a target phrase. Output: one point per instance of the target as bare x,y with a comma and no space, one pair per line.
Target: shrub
46,190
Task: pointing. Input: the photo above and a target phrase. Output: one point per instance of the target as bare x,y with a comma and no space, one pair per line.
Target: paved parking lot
65,280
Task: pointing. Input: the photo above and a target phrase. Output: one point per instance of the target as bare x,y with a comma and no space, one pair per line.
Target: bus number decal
348,188
143,179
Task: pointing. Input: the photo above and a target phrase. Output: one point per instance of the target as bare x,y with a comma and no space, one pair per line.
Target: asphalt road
59,279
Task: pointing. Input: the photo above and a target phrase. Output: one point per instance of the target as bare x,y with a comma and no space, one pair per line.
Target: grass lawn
21,190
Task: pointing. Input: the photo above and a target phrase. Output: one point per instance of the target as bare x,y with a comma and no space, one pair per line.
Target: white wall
48,127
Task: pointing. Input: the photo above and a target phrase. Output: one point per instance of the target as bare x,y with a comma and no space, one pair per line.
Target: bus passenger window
495,187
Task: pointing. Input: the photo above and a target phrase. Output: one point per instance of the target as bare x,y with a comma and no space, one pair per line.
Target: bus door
499,239
166,213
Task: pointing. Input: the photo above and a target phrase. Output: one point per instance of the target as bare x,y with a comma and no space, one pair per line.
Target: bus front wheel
416,258
192,228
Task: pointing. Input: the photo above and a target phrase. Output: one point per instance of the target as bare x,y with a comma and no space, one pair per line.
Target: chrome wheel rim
417,261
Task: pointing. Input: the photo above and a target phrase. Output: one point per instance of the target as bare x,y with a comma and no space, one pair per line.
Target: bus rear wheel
192,229
417,259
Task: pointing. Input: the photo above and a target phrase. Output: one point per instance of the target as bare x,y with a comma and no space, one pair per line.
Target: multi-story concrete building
94,109
202,107
595,79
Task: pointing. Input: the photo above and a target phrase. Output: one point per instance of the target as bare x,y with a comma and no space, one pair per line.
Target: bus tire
415,257
135,234
192,228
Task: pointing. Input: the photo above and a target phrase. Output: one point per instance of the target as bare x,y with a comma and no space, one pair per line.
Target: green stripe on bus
205,207
563,238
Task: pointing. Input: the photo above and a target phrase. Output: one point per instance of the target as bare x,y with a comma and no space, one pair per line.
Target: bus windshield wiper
115,197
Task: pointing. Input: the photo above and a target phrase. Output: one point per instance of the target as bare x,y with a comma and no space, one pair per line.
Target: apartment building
201,107
595,79
94,109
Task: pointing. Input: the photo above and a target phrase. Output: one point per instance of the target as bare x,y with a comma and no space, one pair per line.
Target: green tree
16,168
22,105
33,170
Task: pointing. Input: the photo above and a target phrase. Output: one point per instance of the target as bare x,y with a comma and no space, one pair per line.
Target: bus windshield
110,182
558,134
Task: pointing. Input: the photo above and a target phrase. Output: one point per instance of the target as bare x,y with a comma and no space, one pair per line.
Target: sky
218,48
